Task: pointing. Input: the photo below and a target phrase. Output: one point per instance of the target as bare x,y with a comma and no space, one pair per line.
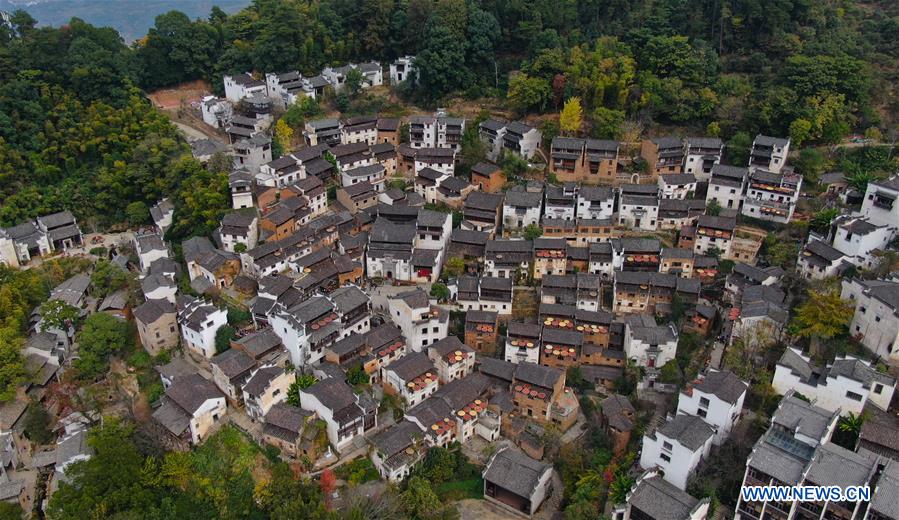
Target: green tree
607,123
800,131
57,314
12,363
107,278
440,291
115,480
353,82
811,164
572,117
527,93
821,221
137,213
223,337
440,64
419,502
302,382
738,148
713,208
532,232
37,424
822,316
101,336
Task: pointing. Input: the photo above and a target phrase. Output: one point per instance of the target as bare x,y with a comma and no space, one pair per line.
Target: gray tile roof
834,465
661,500
152,310
411,366
192,391
616,409
539,375
260,380
515,471
233,362
689,430
860,371
723,384
887,489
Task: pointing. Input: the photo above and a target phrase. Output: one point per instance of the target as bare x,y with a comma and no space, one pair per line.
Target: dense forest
76,132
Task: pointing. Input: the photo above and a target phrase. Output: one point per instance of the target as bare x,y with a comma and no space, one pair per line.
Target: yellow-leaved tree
284,134
572,116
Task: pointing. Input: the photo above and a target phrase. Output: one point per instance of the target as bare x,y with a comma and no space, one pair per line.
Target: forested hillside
73,121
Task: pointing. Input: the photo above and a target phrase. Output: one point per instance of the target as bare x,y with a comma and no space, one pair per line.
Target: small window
667,445
702,413
854,396
878,388
703,402
664,457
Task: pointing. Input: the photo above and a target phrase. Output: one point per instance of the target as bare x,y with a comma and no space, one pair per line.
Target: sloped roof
515,471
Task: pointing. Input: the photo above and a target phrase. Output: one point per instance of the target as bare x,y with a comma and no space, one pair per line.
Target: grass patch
460,489
358,471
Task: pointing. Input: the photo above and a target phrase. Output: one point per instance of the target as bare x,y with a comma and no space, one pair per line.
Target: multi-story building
769,153
199,322
876,319
601,157
491,294
784,456
322,131
422,324
372,75
818,260
677,186
402,69
252,152
523,343
190,408
640,212
717,398
677,448
663,155
561,201
413,378
703,154
347,415
649,345
714,233
482,212
879,205
566,159
437,131
452,359
845,386
521,139
240,86
595,202
157,325
726,186
771,196
508,258
857,238
521,208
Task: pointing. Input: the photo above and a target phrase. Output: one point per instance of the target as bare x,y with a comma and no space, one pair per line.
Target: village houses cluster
341,287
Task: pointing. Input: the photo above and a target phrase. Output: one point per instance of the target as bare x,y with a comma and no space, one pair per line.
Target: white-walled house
858,238
199,322
880,206
771,196
149,248
521,208
676,186
240,86
239,227
648,344
876,318
677,448
703,153
818,260
402,69
422,324
717,398
847,385
595,202
191,407
726,186
266,387
346,414
640,212
769,153
395,453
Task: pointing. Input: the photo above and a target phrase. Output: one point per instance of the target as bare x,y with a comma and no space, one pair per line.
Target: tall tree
572,117
821,317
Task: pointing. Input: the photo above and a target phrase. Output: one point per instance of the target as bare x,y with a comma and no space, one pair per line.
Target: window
664,457
878,388
435,329
862,309
276,392
703,402
667,445
854,396
702,413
